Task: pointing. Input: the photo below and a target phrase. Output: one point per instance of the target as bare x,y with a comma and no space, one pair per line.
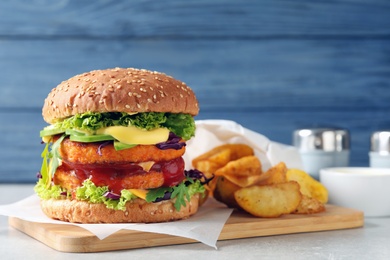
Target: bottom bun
137,211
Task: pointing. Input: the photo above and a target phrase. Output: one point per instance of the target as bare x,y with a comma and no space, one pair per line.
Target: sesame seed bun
119,90
137,211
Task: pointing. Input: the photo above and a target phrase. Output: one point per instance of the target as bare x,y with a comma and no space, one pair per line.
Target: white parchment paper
206,225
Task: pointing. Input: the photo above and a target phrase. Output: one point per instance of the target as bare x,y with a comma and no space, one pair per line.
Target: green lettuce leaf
51,192
182,125
94,194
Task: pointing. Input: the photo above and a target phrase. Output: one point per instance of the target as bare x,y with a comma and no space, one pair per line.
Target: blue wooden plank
239,75
195,19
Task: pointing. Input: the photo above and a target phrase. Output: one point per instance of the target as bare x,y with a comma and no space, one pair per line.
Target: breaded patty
103,152
71,179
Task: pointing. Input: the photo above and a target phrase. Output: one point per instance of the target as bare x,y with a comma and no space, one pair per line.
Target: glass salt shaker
380,149
322,147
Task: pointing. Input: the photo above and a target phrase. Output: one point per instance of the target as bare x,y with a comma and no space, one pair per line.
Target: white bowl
363,188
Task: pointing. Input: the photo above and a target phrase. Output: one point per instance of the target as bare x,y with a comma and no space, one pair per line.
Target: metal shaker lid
329,139
380,141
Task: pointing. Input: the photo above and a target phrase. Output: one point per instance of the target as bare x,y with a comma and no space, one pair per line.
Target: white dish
363,188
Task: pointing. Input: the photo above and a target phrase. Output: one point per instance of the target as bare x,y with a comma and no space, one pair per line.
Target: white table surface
370,242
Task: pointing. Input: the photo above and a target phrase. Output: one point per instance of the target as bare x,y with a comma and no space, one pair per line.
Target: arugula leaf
158,193
55,157
44,167
51,160
180,193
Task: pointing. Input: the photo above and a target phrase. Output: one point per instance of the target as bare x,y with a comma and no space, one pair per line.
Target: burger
114,146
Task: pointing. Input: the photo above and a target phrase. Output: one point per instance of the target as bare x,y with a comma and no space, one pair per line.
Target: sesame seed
129,94
149,100
127,106
138,105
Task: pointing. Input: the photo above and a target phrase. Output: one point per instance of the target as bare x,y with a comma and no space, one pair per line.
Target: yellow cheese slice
140,193
146,165
134,135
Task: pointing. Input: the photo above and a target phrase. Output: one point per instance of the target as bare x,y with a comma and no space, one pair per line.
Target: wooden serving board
71,238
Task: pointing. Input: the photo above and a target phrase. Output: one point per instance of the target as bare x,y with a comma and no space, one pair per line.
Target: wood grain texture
272,66
239,225
268,75
194,19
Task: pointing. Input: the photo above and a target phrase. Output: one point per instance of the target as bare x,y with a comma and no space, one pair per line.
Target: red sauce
121,176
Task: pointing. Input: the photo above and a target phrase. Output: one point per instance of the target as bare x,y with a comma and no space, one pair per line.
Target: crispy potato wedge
309,186
207,167
242,167
224,192
309,206
275,174
269,201
236,151
243,181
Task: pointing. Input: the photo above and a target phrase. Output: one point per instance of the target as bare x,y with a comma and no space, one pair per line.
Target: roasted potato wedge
235,151
243,181
275,174
309,186
224,192
309,206
207,167
269,201
242,167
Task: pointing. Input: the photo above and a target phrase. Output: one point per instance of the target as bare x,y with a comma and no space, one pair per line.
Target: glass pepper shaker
322,147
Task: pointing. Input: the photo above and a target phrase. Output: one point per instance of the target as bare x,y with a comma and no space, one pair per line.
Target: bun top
126,90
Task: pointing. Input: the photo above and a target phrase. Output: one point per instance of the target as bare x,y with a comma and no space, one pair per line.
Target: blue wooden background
272,66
